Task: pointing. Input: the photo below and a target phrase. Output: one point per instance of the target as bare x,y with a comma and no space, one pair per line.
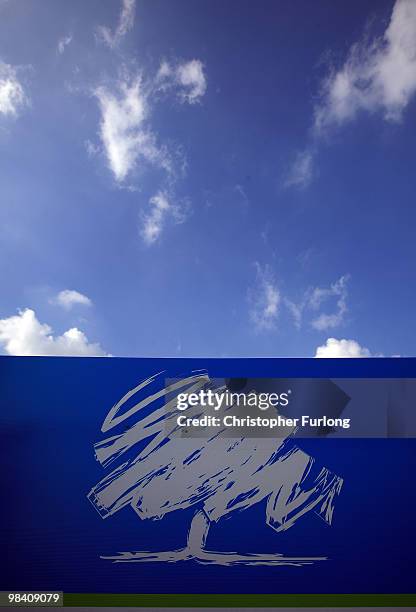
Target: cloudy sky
210,178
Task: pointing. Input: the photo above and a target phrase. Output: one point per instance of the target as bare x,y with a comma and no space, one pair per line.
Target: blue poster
207,476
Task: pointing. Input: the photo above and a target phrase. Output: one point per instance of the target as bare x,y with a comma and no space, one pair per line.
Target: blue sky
207,178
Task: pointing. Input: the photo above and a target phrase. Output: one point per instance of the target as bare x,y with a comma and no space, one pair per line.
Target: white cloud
189,77
23,334
313,300
154,220
69,298
301,171
12,94
342,348
125,23
318,296
63,43
122,129
296,310
165,71
377,76
91,148
265,300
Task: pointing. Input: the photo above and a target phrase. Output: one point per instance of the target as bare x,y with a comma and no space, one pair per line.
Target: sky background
207,178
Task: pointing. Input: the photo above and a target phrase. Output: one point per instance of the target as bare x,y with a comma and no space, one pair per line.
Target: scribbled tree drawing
217,476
